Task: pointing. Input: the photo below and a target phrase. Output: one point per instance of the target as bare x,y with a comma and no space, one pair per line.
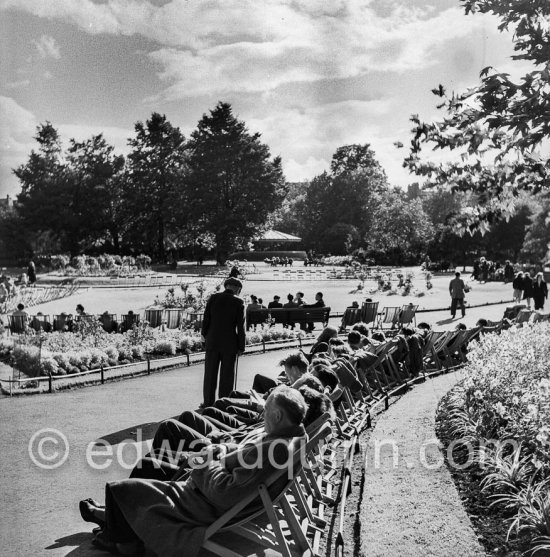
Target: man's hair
326,375
379,335
327,333
300,294
363,328
407,331
289,297
354,337
295,359
80,306
481,322
20,307
310,381
340,350
424,325
232,283
336,342
319,294
461,327
291,402
317,404
457,274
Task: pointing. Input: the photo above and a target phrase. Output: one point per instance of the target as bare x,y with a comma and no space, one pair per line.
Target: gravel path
410,505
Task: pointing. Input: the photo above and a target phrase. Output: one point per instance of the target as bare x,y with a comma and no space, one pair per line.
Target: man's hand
214,452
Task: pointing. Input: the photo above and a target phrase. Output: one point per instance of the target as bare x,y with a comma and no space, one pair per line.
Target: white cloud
47,47
221,46
118,137
18,84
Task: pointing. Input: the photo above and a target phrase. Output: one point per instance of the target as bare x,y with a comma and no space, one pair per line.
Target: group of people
293,301
485,270
528,288
282,261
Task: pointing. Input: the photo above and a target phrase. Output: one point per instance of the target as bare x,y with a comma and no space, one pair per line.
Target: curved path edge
410,505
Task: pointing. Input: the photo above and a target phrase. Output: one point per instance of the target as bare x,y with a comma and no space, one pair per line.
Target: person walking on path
224,332
540,291
457,291
517,285
527,287
31,272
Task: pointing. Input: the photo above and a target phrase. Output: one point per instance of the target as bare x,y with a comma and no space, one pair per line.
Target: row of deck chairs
20,323
525,316
288,512
391,317
32,296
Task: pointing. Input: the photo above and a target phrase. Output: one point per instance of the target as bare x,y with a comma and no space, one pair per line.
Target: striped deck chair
454,347
274,501
350,317
369,313
407,315
433,347
17,323
389,316
173,317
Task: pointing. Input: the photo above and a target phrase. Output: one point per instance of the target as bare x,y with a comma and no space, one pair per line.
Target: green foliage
235,183
495,130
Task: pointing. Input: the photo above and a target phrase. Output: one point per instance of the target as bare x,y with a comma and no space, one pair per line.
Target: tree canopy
495,132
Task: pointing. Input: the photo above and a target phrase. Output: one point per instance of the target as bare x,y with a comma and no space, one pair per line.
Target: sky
309,75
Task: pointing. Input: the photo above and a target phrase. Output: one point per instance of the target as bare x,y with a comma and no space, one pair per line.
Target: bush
26,359
505,397
167,347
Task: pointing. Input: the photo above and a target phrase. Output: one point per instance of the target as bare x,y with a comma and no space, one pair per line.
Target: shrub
26,359
49,366
167,347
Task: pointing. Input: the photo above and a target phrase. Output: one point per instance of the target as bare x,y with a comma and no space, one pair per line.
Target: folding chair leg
272,515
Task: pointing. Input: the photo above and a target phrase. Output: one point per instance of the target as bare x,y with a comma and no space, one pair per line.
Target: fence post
102,376
50,383
148,365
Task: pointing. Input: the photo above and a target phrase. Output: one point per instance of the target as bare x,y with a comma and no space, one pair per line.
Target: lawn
338,294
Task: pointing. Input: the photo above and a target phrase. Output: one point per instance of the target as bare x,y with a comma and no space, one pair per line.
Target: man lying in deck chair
170,518
177,442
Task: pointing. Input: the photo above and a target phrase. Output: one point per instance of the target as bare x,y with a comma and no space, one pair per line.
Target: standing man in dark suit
223,331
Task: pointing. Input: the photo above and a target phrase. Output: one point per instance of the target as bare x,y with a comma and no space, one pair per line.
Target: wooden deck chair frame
350,317
523,316
273,507
407,315
389,315
369,313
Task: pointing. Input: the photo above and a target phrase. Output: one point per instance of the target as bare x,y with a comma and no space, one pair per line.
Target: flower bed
502,413
67,353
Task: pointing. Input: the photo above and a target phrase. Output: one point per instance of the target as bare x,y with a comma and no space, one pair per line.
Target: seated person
356,341
108,323
170,517
319,303
295,364
275,303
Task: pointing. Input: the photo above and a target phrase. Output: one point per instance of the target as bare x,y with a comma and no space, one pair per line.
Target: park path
39,515
410,505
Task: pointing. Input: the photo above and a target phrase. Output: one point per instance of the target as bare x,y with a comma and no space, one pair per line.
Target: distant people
20,311
224,334
456,290
481,323
527,287
261,303
476,270
31,272
39,323
24,280
108,323
319,303
540,291
299,299
517,285
289,305
275,304
80,310
508,272
235,272
252,306
3,291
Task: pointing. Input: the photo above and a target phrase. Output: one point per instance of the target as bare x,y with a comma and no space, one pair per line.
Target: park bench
286,316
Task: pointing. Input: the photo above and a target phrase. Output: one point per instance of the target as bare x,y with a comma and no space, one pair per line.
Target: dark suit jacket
223,323
274,305
317,304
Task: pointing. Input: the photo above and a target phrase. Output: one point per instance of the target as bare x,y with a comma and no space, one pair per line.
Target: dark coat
274,305
223,323
527,287
540,291
171,517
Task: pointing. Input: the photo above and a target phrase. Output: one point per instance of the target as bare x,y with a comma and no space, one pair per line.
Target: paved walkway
410,505
39,515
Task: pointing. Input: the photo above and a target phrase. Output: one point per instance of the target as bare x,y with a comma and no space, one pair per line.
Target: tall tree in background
536,247
96,197
44,185
234,183
155,194
341,203
495,129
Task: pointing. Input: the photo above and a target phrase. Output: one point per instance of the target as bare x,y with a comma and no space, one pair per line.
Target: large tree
155,190
234,182
347,196
496,129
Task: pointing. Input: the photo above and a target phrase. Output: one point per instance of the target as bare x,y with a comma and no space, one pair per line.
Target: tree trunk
160,240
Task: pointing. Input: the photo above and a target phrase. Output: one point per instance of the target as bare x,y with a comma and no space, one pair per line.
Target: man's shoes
86,508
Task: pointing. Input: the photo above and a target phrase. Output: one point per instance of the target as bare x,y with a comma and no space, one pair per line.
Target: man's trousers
223,363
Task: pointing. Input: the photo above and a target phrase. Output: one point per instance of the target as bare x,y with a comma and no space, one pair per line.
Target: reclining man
171,517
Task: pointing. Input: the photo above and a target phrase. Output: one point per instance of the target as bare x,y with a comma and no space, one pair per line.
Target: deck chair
433,348
523,316
270,499
407,315
369,313
389,316
41,323
455,347
154,317
350,317
173,317
18,323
